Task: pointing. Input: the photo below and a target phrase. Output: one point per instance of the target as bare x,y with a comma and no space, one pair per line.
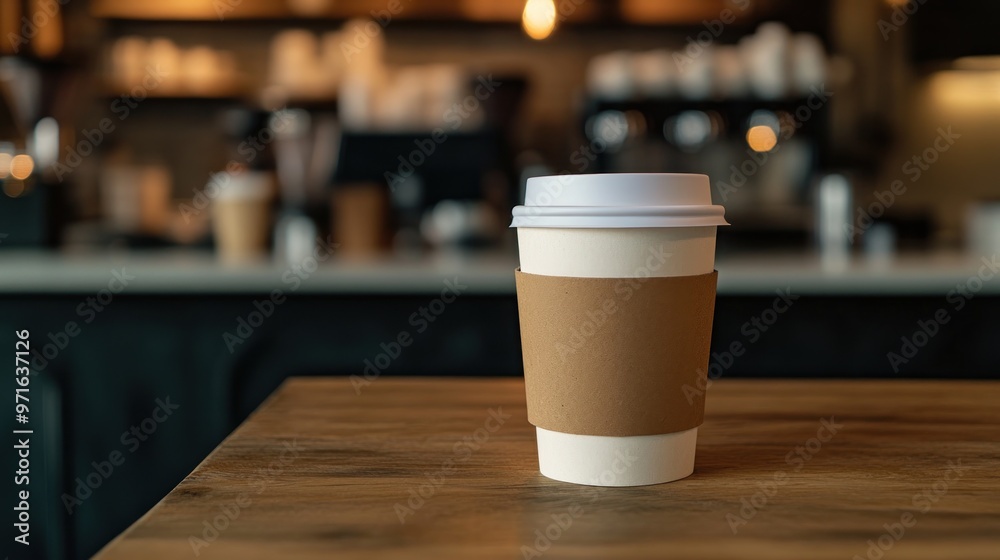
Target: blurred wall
967,102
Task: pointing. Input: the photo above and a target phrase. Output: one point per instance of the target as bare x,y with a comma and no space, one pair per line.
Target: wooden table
424,469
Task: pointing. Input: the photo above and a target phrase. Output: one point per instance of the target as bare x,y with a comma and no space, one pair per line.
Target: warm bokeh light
21,166
182,9
490,10
539,18
5,164
48,40
761,138
309,7
679,12
977,63
965,90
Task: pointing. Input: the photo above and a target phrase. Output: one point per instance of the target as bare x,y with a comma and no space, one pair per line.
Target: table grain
446,468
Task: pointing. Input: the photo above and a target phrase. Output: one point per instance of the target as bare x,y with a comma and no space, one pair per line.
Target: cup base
616,461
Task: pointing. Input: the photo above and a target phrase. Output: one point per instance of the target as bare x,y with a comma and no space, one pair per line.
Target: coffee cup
616,292
241,214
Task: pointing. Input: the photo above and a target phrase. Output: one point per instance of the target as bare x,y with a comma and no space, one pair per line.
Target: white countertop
199,273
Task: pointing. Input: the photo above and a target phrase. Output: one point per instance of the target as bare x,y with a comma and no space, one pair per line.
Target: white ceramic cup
617,226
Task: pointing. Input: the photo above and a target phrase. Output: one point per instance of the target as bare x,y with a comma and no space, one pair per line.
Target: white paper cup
617,226
241,212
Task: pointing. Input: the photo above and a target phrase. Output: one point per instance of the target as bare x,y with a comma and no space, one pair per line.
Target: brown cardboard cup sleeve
615,356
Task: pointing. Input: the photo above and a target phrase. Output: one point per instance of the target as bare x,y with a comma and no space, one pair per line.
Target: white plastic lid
245,185
619,200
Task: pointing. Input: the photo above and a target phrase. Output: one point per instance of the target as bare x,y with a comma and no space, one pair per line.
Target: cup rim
619,200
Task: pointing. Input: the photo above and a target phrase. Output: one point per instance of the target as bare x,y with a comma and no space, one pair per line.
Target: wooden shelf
226,92
224,10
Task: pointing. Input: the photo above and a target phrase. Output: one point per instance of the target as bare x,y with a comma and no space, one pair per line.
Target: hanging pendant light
539,18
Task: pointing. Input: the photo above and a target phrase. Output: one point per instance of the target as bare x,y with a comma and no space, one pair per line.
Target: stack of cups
616,293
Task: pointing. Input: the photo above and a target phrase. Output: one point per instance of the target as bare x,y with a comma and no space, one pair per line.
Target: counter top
186,272
435,468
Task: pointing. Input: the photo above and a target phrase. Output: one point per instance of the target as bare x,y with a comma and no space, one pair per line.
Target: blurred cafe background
201,198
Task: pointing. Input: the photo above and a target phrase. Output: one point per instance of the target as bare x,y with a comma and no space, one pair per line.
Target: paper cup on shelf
616,294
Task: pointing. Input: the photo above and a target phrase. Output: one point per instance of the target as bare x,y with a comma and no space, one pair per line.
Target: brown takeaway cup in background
241,215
